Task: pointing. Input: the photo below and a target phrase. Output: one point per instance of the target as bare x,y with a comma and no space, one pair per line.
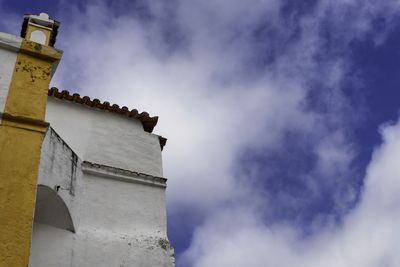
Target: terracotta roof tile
148,122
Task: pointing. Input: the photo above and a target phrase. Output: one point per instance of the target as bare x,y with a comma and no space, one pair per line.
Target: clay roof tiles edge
148,122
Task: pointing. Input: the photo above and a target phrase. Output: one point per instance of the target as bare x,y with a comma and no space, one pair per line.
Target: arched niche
51,209
38,37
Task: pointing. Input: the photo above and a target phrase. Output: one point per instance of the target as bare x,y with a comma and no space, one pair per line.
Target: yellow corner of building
27,71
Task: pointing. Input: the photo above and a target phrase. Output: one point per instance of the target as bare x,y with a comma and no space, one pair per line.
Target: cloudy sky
281,117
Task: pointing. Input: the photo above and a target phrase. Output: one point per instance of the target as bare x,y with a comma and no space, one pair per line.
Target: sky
282,119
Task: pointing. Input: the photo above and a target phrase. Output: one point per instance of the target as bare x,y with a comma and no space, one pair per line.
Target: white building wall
59,169
106,138
8,57
52,248
118,213
123,207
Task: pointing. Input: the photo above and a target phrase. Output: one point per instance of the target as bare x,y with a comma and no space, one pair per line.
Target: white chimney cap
41,19
44,16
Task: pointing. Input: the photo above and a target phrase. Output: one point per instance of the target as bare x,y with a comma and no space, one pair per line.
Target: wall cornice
122,174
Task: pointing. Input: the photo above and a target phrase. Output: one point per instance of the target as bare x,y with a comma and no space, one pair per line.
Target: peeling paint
35,72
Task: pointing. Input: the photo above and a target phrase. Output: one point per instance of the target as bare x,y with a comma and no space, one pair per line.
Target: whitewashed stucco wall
119,216
95,250
8,57
105,138
59,170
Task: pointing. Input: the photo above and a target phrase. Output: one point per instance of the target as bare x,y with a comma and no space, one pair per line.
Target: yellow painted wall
27,95
22,131
32,28
19,161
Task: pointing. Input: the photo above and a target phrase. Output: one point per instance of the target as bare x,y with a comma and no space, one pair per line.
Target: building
81,181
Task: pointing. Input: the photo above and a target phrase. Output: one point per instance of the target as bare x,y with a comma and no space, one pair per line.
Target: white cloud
208,109
219,90
369,236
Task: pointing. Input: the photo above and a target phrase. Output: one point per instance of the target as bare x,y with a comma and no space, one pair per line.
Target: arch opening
51,209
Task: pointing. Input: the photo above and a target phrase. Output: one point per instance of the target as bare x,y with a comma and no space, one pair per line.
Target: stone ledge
122,174
22,122
10,42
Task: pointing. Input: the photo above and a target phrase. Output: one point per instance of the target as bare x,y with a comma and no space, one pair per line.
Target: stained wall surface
25,75
105,138
117,222
92,181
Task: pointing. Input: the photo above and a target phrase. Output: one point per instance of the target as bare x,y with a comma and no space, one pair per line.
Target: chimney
40,29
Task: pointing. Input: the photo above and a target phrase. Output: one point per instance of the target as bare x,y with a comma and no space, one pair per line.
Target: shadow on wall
50,209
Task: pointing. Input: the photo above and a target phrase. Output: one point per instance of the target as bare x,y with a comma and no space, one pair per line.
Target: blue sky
282,118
